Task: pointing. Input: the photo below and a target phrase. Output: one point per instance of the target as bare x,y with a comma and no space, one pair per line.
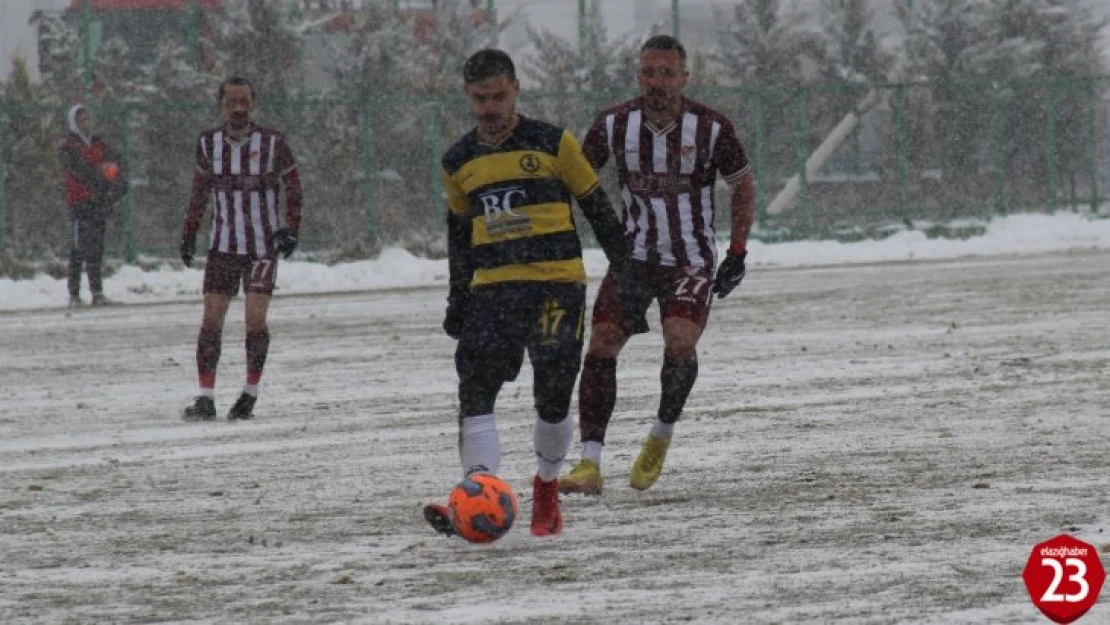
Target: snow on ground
396,268
868,442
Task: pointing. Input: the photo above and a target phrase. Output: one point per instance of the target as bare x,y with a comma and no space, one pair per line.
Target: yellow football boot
584,477
649,464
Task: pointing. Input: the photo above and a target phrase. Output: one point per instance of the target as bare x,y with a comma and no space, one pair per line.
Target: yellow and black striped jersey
515,197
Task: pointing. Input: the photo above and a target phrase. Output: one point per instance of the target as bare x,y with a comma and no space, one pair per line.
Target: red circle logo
1064,576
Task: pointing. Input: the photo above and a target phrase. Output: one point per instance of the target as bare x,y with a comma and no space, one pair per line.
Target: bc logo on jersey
498,205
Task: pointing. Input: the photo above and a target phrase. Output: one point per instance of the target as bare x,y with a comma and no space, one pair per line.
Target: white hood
71,120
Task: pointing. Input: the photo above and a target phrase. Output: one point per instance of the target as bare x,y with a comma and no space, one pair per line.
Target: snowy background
397,268
880,432
17,37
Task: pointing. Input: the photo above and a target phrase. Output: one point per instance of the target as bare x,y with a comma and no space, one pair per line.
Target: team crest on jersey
530,163
689,156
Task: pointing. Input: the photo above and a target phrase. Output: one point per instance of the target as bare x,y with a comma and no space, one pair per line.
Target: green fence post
1051,149
1092,139
760,158
581,23
801,154
3,192
998,150
902,142
193,34
491,19
368,176
86,41
436,143
131,251
676,19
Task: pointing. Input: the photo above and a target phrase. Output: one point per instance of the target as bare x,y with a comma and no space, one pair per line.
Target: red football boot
547,520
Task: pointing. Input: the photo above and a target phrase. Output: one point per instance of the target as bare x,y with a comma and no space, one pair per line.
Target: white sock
251,389
552,440
479,446
591,450
207,392
663,430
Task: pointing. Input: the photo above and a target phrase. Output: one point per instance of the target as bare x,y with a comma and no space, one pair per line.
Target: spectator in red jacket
94,181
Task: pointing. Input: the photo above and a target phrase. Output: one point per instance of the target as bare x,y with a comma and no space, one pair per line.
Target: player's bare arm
732,269
743,212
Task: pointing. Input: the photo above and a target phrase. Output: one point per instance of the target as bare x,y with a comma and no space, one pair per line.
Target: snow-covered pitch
865,444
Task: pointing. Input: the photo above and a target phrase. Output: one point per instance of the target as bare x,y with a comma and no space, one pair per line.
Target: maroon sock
597,394
208,356
258,345
676,378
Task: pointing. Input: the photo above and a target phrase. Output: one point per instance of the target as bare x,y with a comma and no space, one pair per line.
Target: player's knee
553,401
681,352
606,340
257,324
478,394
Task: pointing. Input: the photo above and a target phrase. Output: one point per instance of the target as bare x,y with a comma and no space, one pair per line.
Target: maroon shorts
683,292
223,274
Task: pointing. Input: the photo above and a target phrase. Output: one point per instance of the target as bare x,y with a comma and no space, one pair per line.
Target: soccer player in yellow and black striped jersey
517,279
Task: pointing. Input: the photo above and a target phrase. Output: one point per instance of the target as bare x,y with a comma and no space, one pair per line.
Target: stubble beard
237,125
661,106
495,127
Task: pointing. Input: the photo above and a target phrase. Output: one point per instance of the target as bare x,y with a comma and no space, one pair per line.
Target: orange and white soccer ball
483,508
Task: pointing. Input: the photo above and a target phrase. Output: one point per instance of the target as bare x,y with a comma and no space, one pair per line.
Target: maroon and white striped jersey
242,181
667,176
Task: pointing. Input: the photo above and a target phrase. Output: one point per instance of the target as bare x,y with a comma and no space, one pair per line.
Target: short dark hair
488,63
234,81
665,42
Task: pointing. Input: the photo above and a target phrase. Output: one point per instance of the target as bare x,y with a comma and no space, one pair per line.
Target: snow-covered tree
765,47
600,68
36,219
1020,58
179,102
255,40
1052,47
945,44
373,65
58,45
852,46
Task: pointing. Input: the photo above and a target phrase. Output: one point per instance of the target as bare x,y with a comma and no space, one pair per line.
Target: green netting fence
929,156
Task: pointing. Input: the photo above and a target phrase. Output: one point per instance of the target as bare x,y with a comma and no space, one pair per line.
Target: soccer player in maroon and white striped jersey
240,168
668,151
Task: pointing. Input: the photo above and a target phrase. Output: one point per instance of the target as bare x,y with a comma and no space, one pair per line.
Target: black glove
284,241
188,250
456,314
730,273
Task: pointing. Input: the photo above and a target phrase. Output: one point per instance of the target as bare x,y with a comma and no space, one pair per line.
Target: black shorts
224,272
504,320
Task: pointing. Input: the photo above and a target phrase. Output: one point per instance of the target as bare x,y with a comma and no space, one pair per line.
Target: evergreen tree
257,42
1051,46
601,68
852,62
853,51
764,48
58,45
179,103
1018,58
945,43
36,218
